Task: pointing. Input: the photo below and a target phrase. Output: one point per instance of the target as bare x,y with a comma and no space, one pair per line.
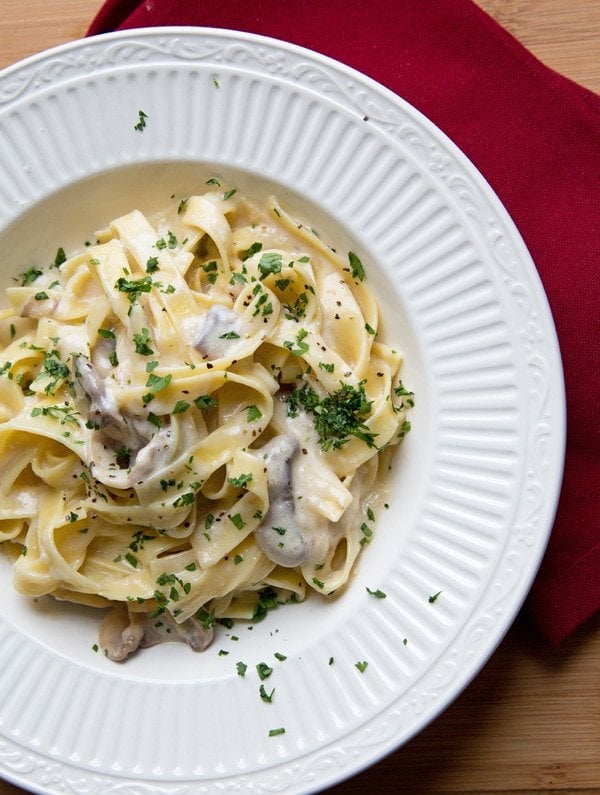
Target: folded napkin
535,136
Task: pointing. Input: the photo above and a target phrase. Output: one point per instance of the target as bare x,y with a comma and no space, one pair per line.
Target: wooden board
530,721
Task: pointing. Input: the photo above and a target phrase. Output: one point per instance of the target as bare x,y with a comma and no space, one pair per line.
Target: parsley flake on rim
141,123
264,671
378,594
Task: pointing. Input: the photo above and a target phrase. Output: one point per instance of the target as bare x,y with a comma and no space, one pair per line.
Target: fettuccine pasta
193,417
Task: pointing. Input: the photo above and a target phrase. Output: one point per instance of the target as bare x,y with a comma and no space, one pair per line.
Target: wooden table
530,722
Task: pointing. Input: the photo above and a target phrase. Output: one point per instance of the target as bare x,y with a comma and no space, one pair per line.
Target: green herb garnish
241,481
358,272
141,123
141,341
377,594
336,417
270,262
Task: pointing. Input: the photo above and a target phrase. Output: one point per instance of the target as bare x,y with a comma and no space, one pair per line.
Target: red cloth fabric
535,136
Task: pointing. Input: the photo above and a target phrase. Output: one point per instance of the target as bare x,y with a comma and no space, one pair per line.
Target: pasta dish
195,411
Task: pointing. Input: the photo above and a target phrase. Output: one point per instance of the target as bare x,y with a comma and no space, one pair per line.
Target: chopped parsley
270,262
264,671
29,276
267,600
362,665
275,732
237,521
433,597
60,258
141,123
300,347
267,697
367,534
296,310
356,266
328,367
209,521
249,252
377,594
205,618
336,417
204,402
253,413
157,383
404,429
53,369
241,481
241,668
184,500
134,287
141,341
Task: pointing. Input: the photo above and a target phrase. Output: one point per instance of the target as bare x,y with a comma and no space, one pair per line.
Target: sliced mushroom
102,405
165,629
279,535
121,632
147,448
219,330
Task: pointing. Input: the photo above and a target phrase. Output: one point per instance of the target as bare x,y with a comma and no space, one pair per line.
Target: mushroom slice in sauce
165,629
103,407
279,536
122,632
148,448
219,330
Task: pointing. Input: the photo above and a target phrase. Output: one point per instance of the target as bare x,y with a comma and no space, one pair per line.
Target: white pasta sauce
193,418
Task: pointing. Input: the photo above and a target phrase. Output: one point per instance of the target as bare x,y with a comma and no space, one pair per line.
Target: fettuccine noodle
193,418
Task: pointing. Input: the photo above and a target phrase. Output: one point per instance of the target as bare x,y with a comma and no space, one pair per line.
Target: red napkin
535,136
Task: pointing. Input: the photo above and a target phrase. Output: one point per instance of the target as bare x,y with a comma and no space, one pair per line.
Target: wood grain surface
529,724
